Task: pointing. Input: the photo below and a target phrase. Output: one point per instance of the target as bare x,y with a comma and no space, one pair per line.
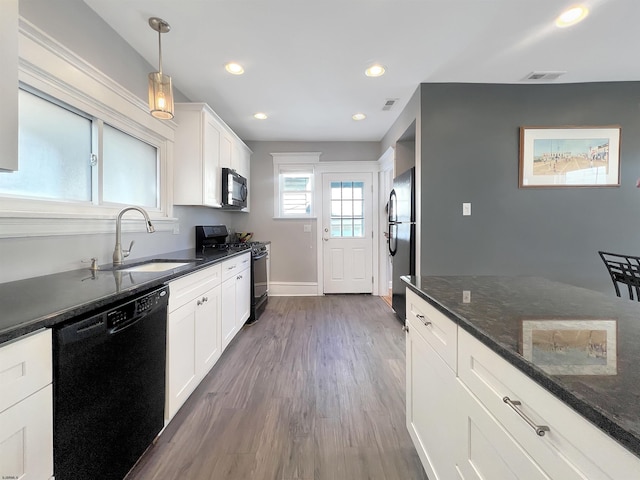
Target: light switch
307,229
466,209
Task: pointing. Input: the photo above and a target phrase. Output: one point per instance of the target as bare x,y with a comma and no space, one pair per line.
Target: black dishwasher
109,387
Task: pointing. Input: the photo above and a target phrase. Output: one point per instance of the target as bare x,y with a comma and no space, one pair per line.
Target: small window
294,184
296,190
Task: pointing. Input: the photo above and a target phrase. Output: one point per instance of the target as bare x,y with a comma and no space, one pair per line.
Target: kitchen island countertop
33,303
501,310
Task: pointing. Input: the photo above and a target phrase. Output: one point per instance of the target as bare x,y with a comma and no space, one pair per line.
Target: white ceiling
305,59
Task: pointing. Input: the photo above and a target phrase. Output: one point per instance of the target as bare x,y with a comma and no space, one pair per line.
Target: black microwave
234,189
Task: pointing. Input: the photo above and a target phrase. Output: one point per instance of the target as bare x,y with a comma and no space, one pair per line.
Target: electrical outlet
307,229
466,209
466,296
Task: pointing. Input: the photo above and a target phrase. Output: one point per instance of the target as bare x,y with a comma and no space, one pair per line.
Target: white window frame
47,66
289,162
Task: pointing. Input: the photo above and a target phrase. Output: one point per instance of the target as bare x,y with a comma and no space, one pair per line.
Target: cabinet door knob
539,429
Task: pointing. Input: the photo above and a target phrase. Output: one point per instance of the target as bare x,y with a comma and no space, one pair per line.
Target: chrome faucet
118,253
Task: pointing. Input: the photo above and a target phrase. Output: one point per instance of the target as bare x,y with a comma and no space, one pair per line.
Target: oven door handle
262,255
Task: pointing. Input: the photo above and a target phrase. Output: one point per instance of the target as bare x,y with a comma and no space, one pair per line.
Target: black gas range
214,237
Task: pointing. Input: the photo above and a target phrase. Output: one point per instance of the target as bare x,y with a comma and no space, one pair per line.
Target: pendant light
160,89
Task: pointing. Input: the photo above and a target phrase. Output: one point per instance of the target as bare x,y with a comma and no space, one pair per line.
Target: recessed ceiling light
376,70
234,68
260,116
572,16
358,116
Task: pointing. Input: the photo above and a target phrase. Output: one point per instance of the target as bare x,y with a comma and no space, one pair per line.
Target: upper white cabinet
9,85
203,145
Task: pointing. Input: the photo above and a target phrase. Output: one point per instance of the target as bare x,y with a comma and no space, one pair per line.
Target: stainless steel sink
154,266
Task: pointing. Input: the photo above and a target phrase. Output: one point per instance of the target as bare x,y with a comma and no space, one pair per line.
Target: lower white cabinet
571,448
431,406
26,408
236,296
462,427
485,448
194,341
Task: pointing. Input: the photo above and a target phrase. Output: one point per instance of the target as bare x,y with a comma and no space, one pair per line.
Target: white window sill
44,225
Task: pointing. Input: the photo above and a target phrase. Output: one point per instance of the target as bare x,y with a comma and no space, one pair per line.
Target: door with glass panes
347,232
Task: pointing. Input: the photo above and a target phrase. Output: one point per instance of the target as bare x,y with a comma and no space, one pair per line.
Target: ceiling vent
543,76
389,103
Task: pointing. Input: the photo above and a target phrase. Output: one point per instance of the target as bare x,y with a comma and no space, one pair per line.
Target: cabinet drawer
438,330
185,289
572,448
25,367
235,265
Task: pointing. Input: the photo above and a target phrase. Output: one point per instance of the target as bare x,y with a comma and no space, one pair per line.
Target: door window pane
54,152
347,214
130,169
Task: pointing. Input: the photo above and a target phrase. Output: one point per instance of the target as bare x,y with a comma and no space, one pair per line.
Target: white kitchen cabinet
572,448
485,448
197,176
431,389
203,145
236,295
9,85
462,428
26,408
226,151
193,333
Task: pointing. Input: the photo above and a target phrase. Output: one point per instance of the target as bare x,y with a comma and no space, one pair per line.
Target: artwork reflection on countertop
581,345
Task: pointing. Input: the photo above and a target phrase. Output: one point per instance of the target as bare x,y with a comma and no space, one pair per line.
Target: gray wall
470,154
293,251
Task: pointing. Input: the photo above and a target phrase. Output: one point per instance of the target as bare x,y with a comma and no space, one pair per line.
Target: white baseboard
293,289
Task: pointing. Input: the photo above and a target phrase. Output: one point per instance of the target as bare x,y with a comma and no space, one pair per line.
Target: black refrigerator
402,229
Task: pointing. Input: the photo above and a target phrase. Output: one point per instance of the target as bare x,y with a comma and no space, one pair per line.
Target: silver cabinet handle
405,328
201,302
423,320
540,429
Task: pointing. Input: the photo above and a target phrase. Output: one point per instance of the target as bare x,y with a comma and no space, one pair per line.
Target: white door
347,232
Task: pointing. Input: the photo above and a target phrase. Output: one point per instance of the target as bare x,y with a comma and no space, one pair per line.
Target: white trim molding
293,289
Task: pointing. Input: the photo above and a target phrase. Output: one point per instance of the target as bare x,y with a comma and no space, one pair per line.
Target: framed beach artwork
571,347
569,156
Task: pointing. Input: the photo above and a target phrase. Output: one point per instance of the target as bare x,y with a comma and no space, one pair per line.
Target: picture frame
571,346
570,156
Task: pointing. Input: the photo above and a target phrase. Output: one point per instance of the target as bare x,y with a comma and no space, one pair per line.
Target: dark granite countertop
30,304
503,312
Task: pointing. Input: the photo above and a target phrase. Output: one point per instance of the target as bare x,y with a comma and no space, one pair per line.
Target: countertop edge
589,411
47,321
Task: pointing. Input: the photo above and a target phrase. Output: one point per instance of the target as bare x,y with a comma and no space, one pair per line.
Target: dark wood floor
314,390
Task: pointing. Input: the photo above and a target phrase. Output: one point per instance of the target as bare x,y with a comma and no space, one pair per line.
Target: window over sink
87,147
